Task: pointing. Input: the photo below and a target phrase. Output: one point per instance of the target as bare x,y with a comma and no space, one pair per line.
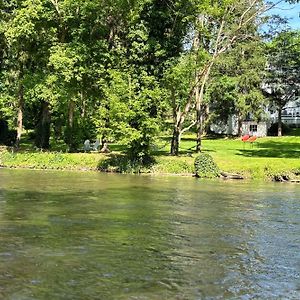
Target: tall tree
21,30
215,28
236,84
178,78
282,83
154,34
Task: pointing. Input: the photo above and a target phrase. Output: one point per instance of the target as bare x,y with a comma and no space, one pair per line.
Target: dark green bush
205,167
42,135
124,164
7,137
11,137
273,130
3,131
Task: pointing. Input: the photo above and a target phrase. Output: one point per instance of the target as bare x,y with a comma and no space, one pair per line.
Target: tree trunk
20,112
71,114
199,106
105,137
201,80
70,134
178,120
279,121
43,128
196,45
240,124
175,140
83,104
199,130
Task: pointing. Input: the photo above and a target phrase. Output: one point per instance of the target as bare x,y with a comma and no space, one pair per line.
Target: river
84,235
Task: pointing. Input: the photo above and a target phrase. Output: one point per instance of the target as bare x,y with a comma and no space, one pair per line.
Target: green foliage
235,88
121,70
271,156
53,160
205,167
273,130
283,79
7,136
42,135
74,137
173,165
124,164
3,131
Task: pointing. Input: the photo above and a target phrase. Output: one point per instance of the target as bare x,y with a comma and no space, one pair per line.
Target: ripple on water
94,236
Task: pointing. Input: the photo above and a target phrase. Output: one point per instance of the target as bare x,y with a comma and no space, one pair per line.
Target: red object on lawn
252,139
245,138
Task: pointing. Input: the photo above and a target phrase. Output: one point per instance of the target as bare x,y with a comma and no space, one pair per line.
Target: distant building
259,129
290,114
290,117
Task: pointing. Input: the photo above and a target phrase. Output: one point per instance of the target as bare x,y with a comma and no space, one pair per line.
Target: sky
290,11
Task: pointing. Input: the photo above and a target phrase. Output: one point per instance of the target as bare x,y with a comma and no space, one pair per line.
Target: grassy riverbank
266,158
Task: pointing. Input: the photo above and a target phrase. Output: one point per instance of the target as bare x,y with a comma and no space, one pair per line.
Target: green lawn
265,158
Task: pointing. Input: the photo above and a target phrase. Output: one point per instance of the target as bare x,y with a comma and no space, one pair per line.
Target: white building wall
290,114
247,128
231,128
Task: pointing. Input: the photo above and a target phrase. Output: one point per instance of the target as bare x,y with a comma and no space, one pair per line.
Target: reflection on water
101,236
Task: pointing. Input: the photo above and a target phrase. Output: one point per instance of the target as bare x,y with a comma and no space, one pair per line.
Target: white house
290,117
290,114
248,127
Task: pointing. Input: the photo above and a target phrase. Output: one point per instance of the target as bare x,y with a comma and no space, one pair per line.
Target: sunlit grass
263,159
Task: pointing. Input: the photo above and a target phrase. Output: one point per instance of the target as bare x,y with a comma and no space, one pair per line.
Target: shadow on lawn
272,149
183,150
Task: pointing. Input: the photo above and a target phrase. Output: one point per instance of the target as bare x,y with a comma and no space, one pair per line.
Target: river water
81,235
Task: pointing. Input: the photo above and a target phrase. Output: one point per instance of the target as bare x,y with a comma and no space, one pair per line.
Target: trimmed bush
205,167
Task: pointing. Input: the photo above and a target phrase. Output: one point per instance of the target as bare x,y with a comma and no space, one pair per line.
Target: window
253,128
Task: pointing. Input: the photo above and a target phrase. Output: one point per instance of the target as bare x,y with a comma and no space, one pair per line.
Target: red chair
245,138
252,139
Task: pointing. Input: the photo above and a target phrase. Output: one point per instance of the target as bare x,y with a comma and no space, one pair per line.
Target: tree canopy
128,71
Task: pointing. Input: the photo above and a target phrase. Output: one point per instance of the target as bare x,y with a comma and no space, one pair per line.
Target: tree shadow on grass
272,149
207,137
184,149
182,152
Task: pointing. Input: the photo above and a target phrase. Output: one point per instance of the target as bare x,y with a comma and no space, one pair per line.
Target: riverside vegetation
129,72
267,158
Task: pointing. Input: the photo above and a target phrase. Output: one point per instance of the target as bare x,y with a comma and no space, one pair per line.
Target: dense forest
128,71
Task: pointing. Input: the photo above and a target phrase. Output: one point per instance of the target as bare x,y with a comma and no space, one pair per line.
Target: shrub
11,137
273,130
3,131
124,164
7,136
205,167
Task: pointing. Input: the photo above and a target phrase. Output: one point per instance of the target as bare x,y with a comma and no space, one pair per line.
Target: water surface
102,236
